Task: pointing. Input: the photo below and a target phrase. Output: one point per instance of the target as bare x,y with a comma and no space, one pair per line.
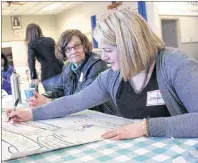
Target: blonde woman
147,81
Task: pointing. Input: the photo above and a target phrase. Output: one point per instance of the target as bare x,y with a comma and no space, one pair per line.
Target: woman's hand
130,131
37,100
20,115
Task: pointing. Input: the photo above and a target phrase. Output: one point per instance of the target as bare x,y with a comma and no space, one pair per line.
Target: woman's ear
84,49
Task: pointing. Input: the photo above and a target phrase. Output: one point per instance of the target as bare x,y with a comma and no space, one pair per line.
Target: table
147,150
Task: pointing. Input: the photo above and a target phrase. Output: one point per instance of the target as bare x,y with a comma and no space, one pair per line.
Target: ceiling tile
6,12
36,8
30,11
41,5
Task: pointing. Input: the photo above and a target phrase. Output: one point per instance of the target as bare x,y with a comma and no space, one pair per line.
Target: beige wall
19,51
80,16
53,25
47,24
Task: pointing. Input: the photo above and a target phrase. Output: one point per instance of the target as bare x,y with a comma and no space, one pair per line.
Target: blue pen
15,105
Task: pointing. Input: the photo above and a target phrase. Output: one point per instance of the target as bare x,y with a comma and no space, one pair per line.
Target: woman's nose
73,50
104,57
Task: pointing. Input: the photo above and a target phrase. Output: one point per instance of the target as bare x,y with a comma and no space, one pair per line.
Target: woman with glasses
43,49
81,70
147,81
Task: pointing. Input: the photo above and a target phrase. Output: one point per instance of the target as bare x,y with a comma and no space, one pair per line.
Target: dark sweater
73,81
42,49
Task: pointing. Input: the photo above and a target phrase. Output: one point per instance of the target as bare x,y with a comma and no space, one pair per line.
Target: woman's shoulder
39,40
170,60
173,57
48,38
10,69
95,58
109,76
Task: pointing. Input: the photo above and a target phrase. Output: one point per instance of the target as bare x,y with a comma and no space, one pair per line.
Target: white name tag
154,98
81,77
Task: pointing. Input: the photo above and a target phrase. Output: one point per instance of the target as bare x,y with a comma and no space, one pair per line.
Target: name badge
81,77
154,98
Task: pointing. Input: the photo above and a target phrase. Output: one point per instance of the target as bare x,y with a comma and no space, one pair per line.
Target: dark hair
5,66
66,37
33,31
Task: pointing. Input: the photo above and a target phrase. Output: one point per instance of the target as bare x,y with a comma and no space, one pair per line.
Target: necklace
149,69
143,84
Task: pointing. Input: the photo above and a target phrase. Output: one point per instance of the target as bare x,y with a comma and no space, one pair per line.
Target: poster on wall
16,22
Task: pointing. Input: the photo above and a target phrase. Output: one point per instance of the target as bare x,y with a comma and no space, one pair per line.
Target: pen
14,108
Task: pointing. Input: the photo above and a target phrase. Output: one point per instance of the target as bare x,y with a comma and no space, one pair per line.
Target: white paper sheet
19,140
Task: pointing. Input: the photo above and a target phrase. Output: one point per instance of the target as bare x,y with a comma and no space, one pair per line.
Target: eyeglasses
76,47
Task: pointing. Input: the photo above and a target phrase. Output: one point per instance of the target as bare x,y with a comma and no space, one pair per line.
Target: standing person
146,79
6,72
81,70
43,49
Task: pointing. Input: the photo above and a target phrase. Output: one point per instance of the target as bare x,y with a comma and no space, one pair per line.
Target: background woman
6,72
43,49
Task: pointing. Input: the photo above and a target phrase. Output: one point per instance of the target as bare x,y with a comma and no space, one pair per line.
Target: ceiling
36,8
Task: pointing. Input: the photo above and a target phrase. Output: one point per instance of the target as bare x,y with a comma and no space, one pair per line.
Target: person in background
81,70
6,72
43,49
146,81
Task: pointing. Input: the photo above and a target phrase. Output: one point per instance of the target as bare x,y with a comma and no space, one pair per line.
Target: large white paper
22,139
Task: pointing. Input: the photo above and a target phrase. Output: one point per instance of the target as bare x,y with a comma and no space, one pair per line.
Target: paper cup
29,92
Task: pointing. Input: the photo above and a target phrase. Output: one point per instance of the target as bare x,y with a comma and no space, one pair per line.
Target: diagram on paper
22,139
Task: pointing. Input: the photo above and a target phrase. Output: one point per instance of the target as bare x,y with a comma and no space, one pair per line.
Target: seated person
6,72
81,70
147,81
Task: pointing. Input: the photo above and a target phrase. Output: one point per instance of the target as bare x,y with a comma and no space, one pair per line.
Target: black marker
15,105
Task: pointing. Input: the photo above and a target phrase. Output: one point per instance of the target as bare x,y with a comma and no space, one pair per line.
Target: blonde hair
136,43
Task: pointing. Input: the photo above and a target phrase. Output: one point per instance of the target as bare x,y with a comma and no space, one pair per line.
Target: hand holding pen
19,115
14,108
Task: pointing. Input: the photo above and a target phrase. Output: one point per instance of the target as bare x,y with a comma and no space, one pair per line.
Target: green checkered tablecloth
147,150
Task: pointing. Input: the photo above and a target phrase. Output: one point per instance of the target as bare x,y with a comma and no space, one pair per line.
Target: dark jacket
42,49
73,82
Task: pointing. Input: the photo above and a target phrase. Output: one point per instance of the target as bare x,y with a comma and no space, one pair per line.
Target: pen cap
15,86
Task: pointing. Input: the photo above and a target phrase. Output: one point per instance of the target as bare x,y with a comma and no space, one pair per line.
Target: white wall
187,25
19,54
185,30
80,16
153,18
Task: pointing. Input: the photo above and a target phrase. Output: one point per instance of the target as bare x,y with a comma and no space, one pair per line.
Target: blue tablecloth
147,150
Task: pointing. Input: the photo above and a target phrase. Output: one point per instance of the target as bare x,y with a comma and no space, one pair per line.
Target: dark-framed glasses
76,47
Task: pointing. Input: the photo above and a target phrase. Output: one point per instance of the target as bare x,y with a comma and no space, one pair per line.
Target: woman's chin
115,68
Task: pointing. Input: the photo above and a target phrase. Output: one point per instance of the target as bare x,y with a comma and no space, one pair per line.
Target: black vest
133,105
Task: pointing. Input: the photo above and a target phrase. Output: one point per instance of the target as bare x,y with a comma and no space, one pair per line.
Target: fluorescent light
51,7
